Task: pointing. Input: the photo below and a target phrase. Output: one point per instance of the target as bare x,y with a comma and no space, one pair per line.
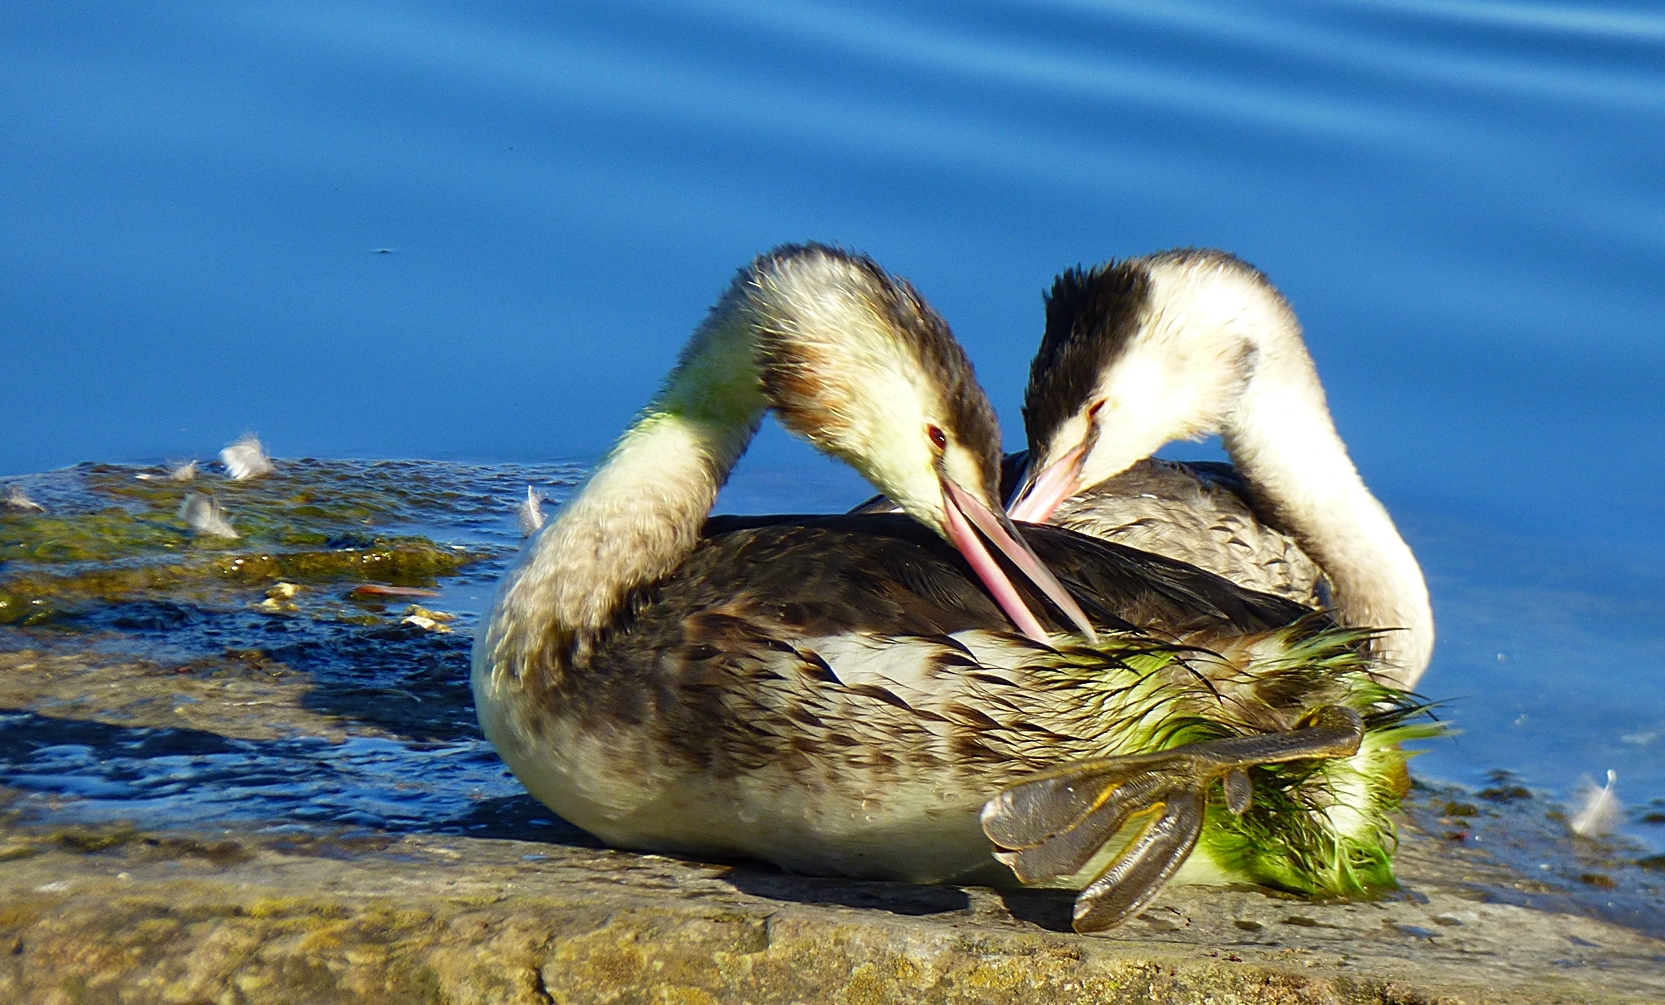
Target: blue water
481,231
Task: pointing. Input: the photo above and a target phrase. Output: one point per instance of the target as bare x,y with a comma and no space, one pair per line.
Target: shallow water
429,229
365,719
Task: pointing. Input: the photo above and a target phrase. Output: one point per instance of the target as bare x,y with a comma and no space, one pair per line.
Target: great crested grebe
1190,343
839,695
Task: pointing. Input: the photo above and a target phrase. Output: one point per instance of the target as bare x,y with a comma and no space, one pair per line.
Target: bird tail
1305,741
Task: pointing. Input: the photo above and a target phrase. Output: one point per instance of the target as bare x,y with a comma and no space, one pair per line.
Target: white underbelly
617,786
911,833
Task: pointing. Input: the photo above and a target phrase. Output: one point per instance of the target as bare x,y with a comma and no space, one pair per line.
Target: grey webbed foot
1054,823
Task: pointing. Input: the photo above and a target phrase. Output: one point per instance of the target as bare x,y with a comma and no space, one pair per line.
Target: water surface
480,232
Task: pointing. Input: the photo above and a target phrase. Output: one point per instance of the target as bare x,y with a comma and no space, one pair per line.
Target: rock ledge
120,916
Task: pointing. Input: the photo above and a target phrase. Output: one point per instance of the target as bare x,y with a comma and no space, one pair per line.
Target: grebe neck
1283,440
639,514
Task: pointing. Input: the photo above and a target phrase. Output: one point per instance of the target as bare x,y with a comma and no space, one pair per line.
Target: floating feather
1598,808
178,473
246,459
19,501
204,516
530,512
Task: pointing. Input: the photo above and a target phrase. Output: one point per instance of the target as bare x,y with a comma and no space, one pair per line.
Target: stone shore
92,916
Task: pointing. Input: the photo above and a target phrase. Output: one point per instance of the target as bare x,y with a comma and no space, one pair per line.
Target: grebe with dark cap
860,695
1190,343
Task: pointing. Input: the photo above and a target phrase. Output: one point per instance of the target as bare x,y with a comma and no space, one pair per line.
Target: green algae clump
406,561
104,536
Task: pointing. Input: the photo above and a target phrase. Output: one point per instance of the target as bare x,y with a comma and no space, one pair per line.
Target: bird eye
937,436
1092,410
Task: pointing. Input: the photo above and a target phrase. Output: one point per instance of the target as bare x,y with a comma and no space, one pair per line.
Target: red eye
937,436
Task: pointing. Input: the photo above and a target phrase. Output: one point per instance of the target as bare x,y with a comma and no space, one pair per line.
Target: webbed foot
1054,823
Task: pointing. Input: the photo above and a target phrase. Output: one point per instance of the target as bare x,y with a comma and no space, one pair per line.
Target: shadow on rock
1052,910
896,898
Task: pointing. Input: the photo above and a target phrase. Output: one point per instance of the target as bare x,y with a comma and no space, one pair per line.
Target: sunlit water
430,229
411,757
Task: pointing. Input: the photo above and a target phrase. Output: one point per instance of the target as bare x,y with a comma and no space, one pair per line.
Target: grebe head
855,361
1136,354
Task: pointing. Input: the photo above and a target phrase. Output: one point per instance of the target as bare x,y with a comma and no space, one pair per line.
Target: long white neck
639,515
1283,441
